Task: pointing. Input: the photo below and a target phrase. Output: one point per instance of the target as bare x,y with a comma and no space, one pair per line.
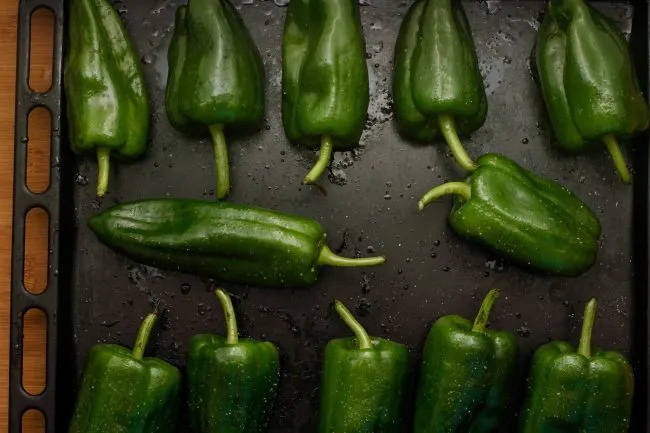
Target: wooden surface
35,259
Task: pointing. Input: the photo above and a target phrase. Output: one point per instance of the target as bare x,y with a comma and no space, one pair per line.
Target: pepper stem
618,158
448,129
327,257
232,337
143,335
460,188
103,166
362,335
480,323
220,162
584,348
324,158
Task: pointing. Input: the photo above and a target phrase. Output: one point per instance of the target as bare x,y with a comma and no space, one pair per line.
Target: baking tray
367,205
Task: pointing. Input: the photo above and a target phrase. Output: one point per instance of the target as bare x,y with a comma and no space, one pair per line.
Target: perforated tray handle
24,200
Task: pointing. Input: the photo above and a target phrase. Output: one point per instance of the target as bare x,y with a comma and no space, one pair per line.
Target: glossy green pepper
466,375
123,392
232,382
227,241
364,382
588,80
437,87
577,391
523,217
325,90
106,99
216,77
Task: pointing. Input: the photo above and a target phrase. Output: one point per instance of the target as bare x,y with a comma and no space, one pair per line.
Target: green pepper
577,391
123,392
588,80
437,87
364,382
106,100
227,241
216,77
523,217
466,375
232,382
325,90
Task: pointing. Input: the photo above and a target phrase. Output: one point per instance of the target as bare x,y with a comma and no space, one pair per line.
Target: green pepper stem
103,167
220,162
480,323
143,335
232,337
327,257
460,188
584,348
324,158
448,129
362,335
617,157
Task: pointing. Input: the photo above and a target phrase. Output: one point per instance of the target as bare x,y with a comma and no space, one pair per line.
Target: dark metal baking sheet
367,205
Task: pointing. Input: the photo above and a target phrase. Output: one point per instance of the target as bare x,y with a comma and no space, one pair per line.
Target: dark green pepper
226,241
466,375
437,87
232,382
123,392
574,391
325,91
364,382
106,99
523,217
216,77
588,80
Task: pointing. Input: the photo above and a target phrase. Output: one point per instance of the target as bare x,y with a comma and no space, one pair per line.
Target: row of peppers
465,382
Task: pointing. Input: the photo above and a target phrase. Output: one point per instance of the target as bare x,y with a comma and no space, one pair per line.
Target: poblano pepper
325,90
466,375
123,392
588,80
577,391
106,99
227,241
232,381
364,382
437,87
523,217
216,77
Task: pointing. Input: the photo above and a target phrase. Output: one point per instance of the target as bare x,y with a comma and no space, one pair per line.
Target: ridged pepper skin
466,375
575,391
106,100
325,90
523,217
232,381
588,80
364,382
227,241
216,78
437,87
123,392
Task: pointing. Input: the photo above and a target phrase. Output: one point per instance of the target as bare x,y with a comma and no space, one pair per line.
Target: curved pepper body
324,73
231,386
121,391
572,390
587,78
227,241
216,74
526,218
436,71
466,378
106,99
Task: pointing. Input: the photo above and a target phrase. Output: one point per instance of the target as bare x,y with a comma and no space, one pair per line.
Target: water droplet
378,47
202,309
23,139
370,249
582,179
365,283
434,255
446,269
363,308
436,243
247,2
156,164
365,3
507,60
376,26
147,60
523,331
524,140
81,180
185,288
387,197
281,3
